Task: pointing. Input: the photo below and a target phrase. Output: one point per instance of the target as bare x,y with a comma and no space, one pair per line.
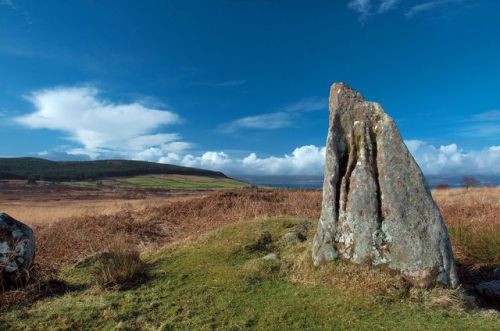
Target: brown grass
473,219
67,240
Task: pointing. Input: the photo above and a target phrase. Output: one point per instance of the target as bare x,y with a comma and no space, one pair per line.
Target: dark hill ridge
36,168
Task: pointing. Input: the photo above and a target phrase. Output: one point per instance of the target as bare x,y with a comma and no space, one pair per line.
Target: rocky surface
377,209
270,256
17,249
293,237
490,290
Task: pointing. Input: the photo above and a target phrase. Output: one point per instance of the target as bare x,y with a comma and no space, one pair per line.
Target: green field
163,182
221,282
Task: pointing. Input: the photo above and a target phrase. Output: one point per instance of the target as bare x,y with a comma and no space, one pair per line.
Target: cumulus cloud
305,160
100,126
451,160
276,120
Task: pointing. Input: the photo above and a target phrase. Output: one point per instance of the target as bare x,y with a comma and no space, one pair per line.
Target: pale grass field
481,204
47,212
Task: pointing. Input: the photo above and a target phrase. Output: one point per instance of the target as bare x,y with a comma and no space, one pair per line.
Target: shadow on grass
37,290
473,274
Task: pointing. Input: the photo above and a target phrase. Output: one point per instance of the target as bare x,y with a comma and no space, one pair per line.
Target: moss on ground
218,282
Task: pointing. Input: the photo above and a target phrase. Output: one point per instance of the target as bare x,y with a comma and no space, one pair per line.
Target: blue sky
242,86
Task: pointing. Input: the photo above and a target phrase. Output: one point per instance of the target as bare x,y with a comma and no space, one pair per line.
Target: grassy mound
220,281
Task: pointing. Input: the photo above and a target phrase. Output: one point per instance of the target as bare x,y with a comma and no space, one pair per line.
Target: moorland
193,259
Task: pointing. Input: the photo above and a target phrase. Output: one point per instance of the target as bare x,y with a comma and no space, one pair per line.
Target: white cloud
265,121
451,160
491,115
305,160
308,104
361,6
232,83
8,3
484,125
99,126
386,5
276,120
367,8
364,7
429,5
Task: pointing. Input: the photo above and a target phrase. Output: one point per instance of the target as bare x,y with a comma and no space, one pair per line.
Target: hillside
36,168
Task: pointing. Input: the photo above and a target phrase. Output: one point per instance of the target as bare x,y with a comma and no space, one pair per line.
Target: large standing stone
377,209
17,248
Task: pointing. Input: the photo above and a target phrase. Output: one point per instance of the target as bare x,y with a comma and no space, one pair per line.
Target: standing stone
377,209
17,249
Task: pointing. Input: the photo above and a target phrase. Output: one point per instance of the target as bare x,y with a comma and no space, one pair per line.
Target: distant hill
41,169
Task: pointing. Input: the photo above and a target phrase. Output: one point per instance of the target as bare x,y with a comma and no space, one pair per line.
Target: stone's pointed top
340,85
337,87
345,92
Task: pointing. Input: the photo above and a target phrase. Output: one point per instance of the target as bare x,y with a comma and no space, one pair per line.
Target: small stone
490,290
17,249
271,256
293,237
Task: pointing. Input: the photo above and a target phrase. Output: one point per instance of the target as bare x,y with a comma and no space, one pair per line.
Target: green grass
181,182
221,282
164,182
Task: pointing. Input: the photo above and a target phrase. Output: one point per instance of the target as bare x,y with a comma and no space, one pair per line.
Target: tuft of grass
119,267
